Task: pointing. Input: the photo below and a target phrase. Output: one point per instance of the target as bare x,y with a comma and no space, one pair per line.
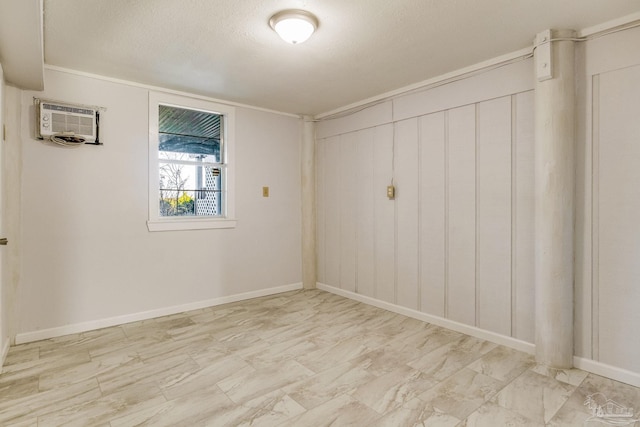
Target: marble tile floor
304,358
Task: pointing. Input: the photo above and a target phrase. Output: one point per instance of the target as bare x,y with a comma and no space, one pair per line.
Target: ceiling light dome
294,26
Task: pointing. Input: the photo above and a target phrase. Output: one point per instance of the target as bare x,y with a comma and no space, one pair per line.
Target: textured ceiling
226,49
21,43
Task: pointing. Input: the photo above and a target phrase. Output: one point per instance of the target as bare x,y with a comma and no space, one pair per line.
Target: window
190,163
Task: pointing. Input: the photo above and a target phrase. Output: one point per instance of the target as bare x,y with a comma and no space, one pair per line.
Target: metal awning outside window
189,131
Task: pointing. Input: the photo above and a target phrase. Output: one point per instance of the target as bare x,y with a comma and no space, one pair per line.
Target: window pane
194,132
190,190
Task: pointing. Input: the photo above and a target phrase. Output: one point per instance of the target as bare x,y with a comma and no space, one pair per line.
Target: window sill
178,224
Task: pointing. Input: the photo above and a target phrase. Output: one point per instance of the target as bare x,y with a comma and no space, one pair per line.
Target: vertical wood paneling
618,218
320,209
365,214
585,228
332,211
384,214
461,303
348,221
523,218
432,213
594,288
493,279
458,240
407,211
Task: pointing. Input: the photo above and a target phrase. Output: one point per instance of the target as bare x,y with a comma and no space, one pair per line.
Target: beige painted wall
4,306
12,167
87,255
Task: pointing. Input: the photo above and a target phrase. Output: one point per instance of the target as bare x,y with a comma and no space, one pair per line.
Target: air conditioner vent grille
55,119
69,123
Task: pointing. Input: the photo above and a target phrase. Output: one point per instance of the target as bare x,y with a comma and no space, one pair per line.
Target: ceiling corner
21,43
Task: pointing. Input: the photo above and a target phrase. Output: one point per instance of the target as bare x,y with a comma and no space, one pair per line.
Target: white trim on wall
609,25
588,365
436,320
602,369
165,90
471,70
226,164
447,78
44,334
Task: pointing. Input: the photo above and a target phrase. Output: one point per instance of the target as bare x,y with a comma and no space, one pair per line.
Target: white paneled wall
457,242
383,216
365,208
522,211
347,200
406,166
461,215
433,221
493,216
618,201
607,314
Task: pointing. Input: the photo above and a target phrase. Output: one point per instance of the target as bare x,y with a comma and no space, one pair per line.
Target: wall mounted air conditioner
76,124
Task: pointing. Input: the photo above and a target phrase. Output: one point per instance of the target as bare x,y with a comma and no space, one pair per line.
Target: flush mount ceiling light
294,26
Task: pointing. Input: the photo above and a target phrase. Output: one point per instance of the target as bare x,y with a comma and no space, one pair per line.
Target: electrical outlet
265,191
391,192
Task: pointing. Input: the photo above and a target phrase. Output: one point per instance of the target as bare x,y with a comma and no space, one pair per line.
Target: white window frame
163,223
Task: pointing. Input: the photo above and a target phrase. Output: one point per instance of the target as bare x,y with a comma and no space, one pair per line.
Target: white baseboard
608,371
5,351
436,320
598,368
75,328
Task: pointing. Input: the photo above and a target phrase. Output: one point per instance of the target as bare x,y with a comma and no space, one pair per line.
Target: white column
308,173
554,202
